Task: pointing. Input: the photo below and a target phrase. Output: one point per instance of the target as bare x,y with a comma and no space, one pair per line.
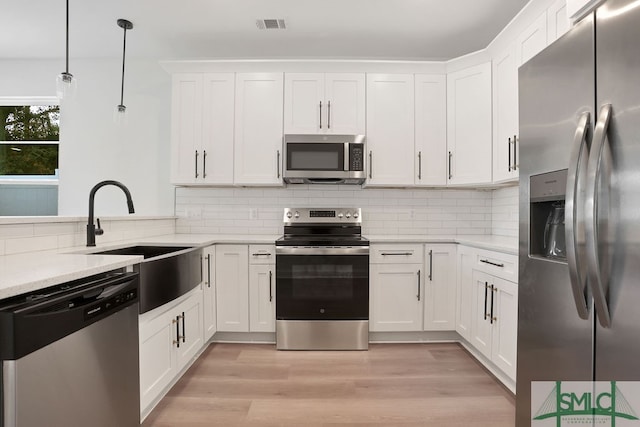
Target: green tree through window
22,128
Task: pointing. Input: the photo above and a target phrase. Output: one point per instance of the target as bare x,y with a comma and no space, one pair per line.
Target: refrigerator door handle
574,221
595,170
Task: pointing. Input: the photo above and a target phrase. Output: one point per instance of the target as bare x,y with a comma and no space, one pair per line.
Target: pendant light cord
67,59
124,48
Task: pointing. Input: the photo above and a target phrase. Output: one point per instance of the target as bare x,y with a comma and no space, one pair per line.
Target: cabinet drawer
498,264
396,254
262,254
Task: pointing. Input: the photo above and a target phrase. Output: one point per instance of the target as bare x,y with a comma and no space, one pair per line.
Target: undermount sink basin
146,251
165,273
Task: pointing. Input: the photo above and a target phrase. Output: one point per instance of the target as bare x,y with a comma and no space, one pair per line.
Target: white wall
92,147
385,211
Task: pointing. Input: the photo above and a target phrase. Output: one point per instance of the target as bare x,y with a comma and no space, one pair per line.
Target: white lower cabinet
396,300
262,288
232,288
494,326
440,288
209,291
466,258
170,336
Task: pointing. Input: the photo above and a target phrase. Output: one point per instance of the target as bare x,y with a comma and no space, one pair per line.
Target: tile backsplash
504,212
27,235
385,211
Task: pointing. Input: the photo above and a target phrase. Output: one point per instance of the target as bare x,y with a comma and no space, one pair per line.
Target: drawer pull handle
486,261
396,253
261,254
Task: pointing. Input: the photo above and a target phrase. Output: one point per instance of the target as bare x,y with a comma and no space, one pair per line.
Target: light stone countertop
23,273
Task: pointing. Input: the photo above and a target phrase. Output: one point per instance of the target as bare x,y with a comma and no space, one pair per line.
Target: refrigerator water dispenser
547,231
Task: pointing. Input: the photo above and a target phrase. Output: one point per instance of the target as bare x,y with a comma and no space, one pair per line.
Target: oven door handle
297,250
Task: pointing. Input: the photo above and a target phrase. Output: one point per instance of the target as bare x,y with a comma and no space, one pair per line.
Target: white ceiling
194,29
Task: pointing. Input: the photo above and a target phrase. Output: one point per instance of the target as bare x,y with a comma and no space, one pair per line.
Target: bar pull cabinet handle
599,166
492,319
278,163
328,114
204,163
574,216
419,272
270,284
450,156
320,114
509,154
486,290
370,164
261,254
419,164
196,163
209,270
177,322
396,253
515,157
184,331
431,265
486,261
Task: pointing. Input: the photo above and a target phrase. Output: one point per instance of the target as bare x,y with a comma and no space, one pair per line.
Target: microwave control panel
356,157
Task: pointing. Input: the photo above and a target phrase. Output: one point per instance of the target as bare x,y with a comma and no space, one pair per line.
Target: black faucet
91,229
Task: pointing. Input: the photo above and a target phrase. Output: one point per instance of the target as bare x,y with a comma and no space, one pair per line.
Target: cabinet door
303,95
557,21
217,133
481,323
190,319
186,128
345,104
390,132
258,129
158,358
464,288
262,303
469,125
440,288
396,297
431,130
232,288
505,116
505,326
209,292
532,40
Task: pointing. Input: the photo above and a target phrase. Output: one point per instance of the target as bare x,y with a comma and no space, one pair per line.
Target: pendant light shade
121,109
66,83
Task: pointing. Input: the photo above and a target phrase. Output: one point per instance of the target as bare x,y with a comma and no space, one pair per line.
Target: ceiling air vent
270,24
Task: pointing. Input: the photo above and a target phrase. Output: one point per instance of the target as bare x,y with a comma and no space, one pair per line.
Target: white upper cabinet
469,125
430,129
532,40
331,103
557,21
186,127
217,132
258,129
505,116
390,129
202,128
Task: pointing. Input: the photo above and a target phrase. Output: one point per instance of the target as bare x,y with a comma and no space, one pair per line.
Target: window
29,137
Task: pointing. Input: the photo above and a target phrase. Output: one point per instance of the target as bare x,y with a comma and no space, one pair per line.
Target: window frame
31,179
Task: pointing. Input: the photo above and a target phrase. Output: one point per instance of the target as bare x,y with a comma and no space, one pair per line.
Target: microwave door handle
346,156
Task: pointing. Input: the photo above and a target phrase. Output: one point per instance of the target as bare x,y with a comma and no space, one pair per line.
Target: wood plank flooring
403,385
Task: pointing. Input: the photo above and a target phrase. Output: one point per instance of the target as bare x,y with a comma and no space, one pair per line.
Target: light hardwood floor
405,385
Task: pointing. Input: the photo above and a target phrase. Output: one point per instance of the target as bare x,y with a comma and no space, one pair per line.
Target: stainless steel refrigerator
579,280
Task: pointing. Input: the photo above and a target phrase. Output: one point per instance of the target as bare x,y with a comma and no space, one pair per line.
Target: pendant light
121,108
66,83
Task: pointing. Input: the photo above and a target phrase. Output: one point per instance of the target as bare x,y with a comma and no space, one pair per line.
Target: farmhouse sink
166,272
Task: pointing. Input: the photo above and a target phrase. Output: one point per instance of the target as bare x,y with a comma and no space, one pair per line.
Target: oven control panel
328,216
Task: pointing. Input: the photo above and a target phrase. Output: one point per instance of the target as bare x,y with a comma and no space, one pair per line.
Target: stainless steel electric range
322,281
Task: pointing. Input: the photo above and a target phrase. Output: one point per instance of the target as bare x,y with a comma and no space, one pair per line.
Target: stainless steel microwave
324,159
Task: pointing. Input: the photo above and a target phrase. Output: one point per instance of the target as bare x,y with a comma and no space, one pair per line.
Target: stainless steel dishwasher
70,355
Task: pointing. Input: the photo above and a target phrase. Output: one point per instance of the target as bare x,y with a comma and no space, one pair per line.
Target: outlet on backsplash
253,213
